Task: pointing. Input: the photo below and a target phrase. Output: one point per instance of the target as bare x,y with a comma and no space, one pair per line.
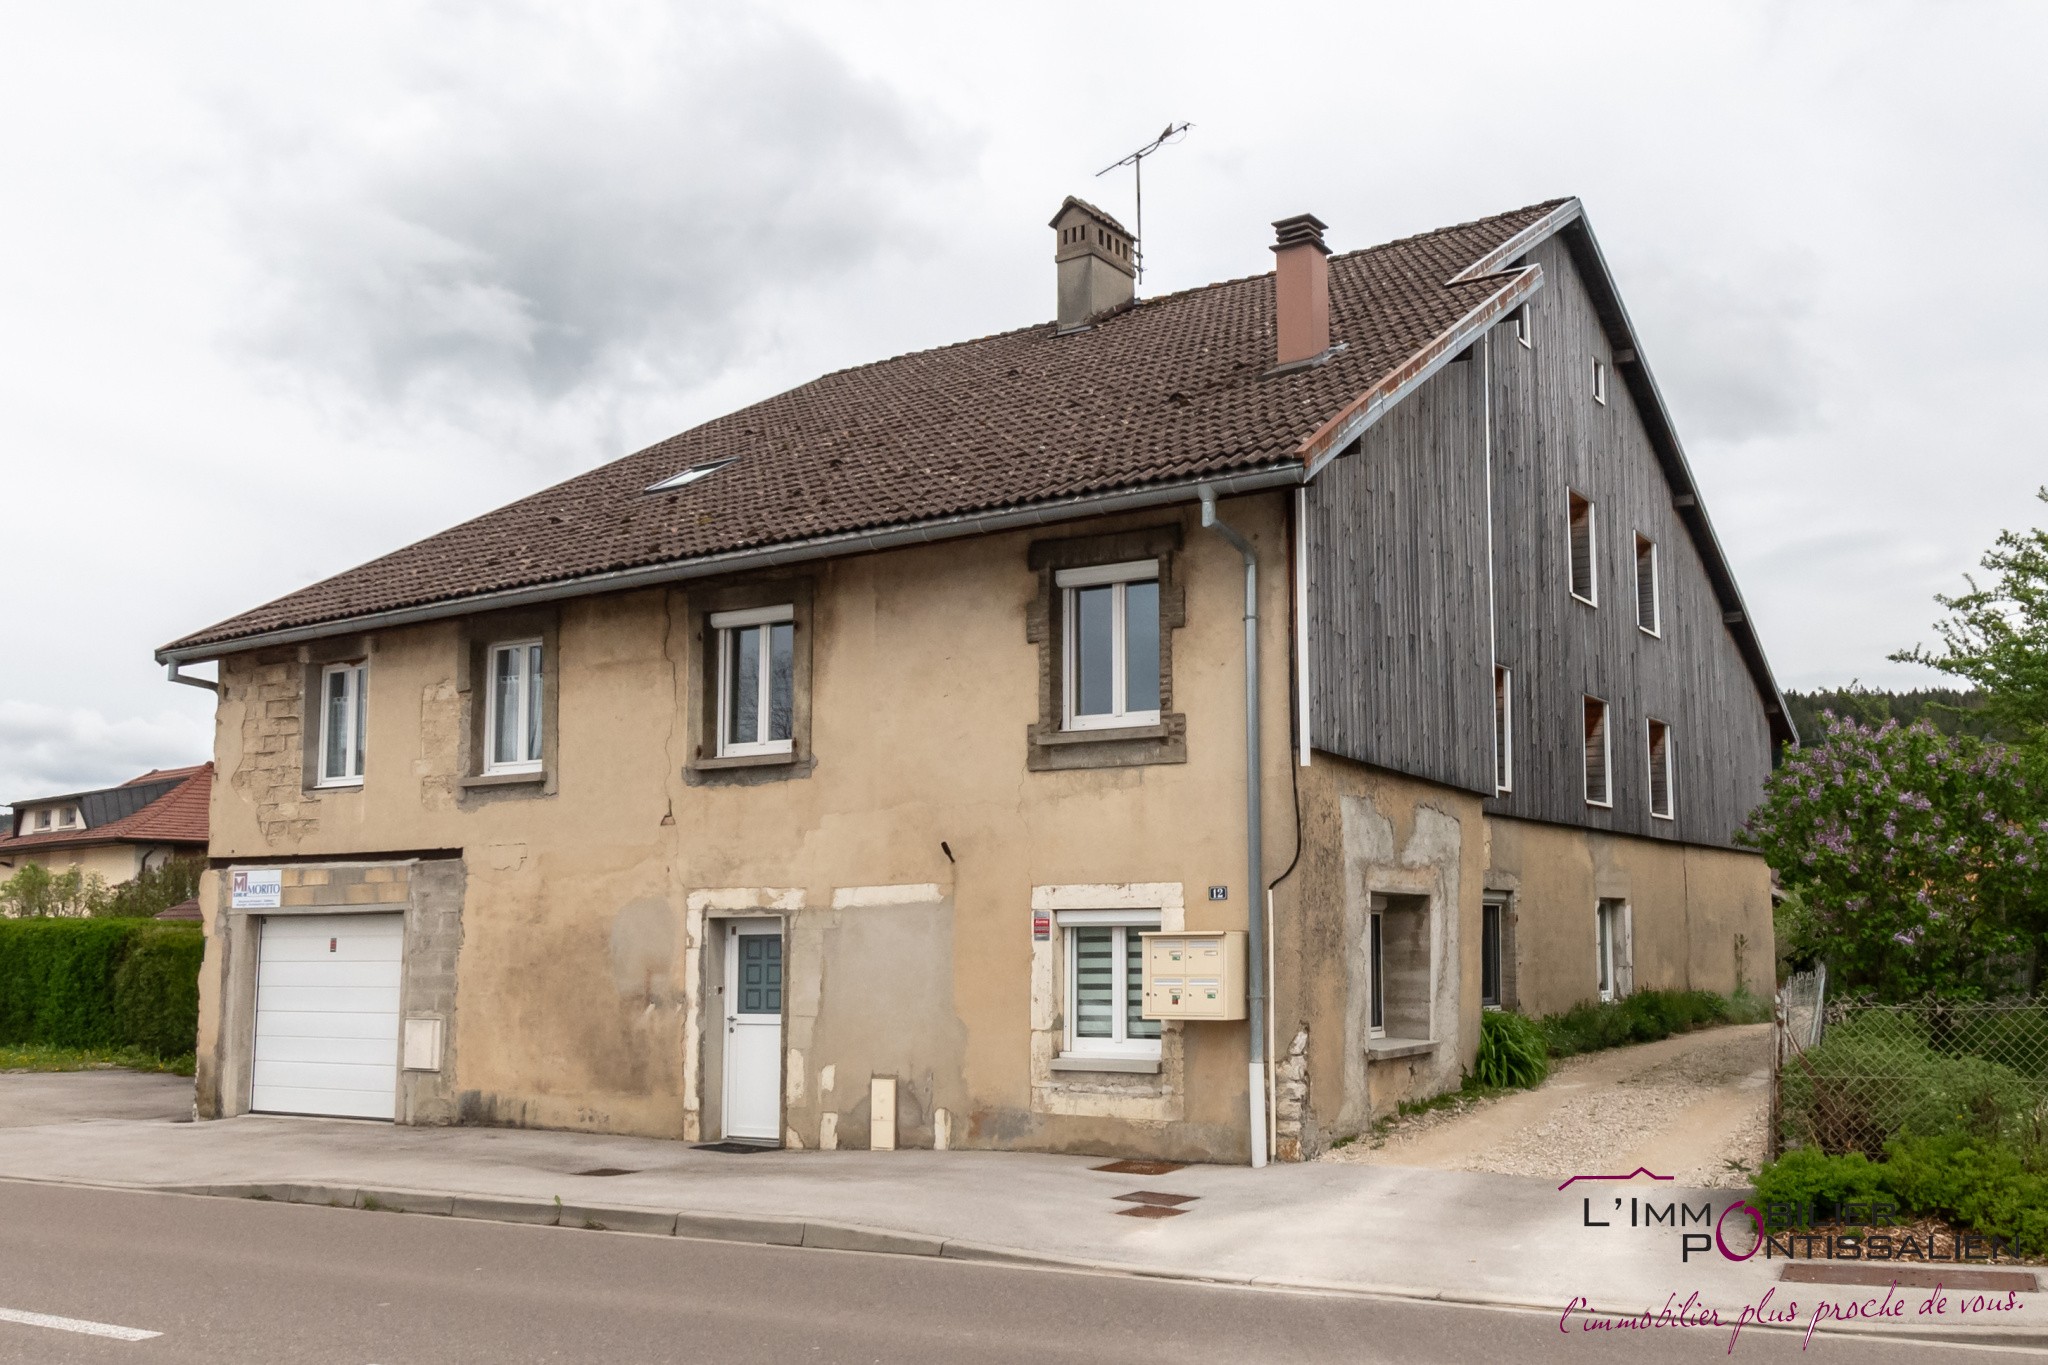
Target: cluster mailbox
1194,975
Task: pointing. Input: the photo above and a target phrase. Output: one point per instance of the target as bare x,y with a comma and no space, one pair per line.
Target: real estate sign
255,889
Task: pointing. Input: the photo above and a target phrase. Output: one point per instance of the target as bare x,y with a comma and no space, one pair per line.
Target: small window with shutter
1584,581
1647,611
1598,790
1660,770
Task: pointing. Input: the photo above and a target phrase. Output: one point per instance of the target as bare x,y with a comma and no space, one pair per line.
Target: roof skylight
688,476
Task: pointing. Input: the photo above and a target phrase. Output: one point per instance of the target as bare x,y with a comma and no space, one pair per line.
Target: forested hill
1949,710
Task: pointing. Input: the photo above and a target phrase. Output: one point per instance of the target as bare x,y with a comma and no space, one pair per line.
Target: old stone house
1159,731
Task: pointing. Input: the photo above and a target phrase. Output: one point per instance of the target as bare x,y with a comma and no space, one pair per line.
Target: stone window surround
1051,747
428,892
706,766
1137,1089
472,680
314,658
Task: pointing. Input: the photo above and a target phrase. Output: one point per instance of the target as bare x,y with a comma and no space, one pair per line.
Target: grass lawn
43,1057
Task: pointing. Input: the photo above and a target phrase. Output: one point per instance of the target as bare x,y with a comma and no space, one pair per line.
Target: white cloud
49,750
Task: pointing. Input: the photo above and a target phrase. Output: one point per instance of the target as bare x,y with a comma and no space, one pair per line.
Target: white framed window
1376,959
756,680
1105,972
1649,612
1525,328
512,726
1600,382
1599,791
1110,672
1503,730
45,817
1660,770
1582,529
1613,948
344,702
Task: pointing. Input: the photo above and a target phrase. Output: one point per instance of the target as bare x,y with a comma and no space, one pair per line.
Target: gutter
1284,475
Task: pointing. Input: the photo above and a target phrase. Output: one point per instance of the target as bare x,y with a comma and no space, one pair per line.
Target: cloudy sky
285,287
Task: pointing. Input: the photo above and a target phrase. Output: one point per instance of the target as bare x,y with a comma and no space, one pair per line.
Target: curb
835,1236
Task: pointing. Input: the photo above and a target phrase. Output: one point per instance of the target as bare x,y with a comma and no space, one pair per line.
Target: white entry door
327,1015
753,1030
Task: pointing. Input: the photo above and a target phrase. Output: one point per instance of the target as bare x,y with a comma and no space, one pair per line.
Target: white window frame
1655,627
1126,923
525,693
1606,753
1525,327
1119,576
356,673
1600,381
1503,729
1650,728
1604,931
1591,597
727,624
46,818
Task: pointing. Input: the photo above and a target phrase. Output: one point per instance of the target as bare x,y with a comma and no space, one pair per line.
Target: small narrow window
1106,984
1660,770
513,725
1600,381
1585,582
343,711
1525,328
1603,947
1647,609
756,680
1111,645
1503,730
1377,963
1491,915
1597,793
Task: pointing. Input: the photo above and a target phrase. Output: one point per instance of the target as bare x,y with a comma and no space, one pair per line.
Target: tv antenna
1136,161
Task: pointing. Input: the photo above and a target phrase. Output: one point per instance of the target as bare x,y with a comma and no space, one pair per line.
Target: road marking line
79,1325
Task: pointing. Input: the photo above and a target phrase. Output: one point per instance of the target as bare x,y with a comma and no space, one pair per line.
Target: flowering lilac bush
1920,859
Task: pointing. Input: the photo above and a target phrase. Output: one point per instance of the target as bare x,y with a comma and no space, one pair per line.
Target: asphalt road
225,1280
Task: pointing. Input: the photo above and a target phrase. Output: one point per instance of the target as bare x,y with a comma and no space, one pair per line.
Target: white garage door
327,1015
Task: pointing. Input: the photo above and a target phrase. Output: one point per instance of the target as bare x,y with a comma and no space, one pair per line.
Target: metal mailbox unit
1195,975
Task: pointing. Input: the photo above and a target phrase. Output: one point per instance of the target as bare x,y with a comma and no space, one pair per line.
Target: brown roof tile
1172,389
179,816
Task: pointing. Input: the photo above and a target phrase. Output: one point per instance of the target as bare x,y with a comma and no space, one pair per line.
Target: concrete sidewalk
1385,1230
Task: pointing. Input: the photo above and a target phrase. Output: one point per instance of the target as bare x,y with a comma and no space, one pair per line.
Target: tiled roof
1173,389
178,816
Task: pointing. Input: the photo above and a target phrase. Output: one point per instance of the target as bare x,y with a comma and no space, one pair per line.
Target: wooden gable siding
1400,672
1401,654
1549,436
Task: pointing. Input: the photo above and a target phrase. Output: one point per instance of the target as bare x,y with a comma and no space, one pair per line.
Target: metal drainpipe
1254,833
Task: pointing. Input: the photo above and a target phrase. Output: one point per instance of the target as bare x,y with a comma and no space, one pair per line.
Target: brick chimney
1301,288
1096,263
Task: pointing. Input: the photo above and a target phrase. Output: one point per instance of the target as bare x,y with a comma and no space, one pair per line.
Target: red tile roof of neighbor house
1172,389
178,816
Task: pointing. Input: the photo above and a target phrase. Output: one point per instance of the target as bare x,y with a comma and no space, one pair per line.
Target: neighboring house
115,833
816,776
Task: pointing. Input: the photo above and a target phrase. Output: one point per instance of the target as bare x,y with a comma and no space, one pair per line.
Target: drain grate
607,1170
735,1148
1149,1211
1156,1198
1136,1167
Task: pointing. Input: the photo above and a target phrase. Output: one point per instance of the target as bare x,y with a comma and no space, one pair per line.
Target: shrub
159,888
1984,1185
1807,1175
1875,1077
70,983
156,989
1511,1051
1643,1017
35,891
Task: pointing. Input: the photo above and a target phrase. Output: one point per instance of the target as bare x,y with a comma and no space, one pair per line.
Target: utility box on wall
1194,975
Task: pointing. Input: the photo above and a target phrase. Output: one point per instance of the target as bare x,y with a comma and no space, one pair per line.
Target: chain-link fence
1850,1076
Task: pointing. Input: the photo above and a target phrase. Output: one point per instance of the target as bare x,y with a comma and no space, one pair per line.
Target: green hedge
1989,1186
1641,1017
99,983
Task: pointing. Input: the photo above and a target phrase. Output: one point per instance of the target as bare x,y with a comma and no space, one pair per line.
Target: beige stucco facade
111,863
570,929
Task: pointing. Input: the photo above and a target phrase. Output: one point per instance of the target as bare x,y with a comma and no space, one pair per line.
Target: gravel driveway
1694,1107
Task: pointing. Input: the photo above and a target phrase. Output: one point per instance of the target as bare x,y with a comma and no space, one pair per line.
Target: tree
1919,858
37,891
1997,636
157,888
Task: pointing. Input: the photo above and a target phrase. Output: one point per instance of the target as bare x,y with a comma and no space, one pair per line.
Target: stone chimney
1301,289
1096,261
